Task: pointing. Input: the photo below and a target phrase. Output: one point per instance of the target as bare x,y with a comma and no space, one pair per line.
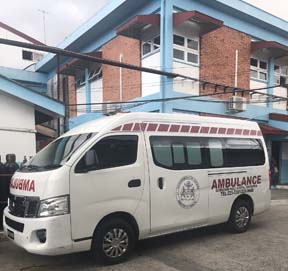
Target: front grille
14,224
23,206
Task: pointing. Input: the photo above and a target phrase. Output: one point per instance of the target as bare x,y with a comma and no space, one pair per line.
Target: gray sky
66,15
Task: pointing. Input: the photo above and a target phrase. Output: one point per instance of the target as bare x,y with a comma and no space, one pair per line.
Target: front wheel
240,217
113,241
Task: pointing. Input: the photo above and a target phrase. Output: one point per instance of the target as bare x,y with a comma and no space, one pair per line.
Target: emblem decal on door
187,192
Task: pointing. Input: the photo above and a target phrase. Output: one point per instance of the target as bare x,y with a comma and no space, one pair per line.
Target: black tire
240,216
120,247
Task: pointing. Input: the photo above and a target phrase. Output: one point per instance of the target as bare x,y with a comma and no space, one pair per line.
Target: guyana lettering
23,184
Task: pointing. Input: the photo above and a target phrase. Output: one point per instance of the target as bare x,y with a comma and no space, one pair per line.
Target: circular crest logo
187,193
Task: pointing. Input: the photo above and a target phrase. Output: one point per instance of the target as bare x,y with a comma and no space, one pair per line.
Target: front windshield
56,153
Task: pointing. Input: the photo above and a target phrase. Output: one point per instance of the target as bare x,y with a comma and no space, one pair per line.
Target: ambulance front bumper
24,232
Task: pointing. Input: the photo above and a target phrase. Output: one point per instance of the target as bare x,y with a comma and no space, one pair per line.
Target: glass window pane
178,54
263,65
193,44
277,68
178,153
157,40
162,153
194,153
243,152
178,40
283,80
253,62
253,74
192,58
263,76
116,151
216,153
146,48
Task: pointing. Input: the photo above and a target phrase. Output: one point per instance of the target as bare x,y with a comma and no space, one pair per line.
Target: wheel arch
244,197
127,217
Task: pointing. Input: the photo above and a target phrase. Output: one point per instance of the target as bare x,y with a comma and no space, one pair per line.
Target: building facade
225,45
25,102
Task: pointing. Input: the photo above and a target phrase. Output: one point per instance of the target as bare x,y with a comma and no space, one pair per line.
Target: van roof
111,122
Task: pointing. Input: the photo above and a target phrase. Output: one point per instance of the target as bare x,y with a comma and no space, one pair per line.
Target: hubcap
242,217
115,243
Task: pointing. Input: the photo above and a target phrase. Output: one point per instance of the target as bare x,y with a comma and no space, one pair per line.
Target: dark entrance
276,146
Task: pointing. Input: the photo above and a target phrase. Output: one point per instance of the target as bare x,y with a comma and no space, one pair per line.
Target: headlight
54,206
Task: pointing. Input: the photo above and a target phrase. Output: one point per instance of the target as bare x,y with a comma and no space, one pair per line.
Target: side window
161,150
194,154
216,153
115,151
243,152
178,153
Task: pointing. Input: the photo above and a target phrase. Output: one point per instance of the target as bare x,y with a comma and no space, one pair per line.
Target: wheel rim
242,217
115,243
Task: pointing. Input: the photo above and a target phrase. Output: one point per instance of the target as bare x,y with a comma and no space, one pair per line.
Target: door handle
134,183
161,182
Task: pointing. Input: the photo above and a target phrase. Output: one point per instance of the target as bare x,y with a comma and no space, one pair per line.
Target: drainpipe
236,69
166,50
120,79
88,91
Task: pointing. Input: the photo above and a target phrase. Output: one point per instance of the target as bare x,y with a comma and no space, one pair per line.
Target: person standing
274,172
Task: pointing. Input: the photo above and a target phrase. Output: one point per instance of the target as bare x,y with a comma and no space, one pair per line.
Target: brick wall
131,80
218,59
72,96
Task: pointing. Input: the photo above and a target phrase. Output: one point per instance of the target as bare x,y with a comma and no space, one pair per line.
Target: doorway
276,147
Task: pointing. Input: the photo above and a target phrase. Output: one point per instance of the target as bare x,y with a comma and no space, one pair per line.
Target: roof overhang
41,102
206,23
73,66
134,26
269,130
278,117
272,48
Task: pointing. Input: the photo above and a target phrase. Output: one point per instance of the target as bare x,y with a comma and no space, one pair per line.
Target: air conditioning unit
237,104
110,109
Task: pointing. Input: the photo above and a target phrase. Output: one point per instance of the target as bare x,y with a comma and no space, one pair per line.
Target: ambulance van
110,182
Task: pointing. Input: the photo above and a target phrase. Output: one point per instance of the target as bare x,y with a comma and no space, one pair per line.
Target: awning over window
207,23
269,130
279,117
134,26
273,48
75,65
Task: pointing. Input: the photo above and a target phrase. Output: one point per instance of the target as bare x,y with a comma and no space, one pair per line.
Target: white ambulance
110,182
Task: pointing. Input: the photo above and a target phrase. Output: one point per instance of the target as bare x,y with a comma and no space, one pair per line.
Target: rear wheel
240,216
113,241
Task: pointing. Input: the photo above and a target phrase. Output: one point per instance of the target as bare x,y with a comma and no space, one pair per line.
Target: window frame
278,75
205,151
106,137
154,46
258,69
186,50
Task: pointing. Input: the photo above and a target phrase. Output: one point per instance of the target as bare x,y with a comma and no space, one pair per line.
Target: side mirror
88,162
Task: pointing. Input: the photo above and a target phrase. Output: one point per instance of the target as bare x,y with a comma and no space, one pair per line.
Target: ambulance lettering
236,185
23,184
